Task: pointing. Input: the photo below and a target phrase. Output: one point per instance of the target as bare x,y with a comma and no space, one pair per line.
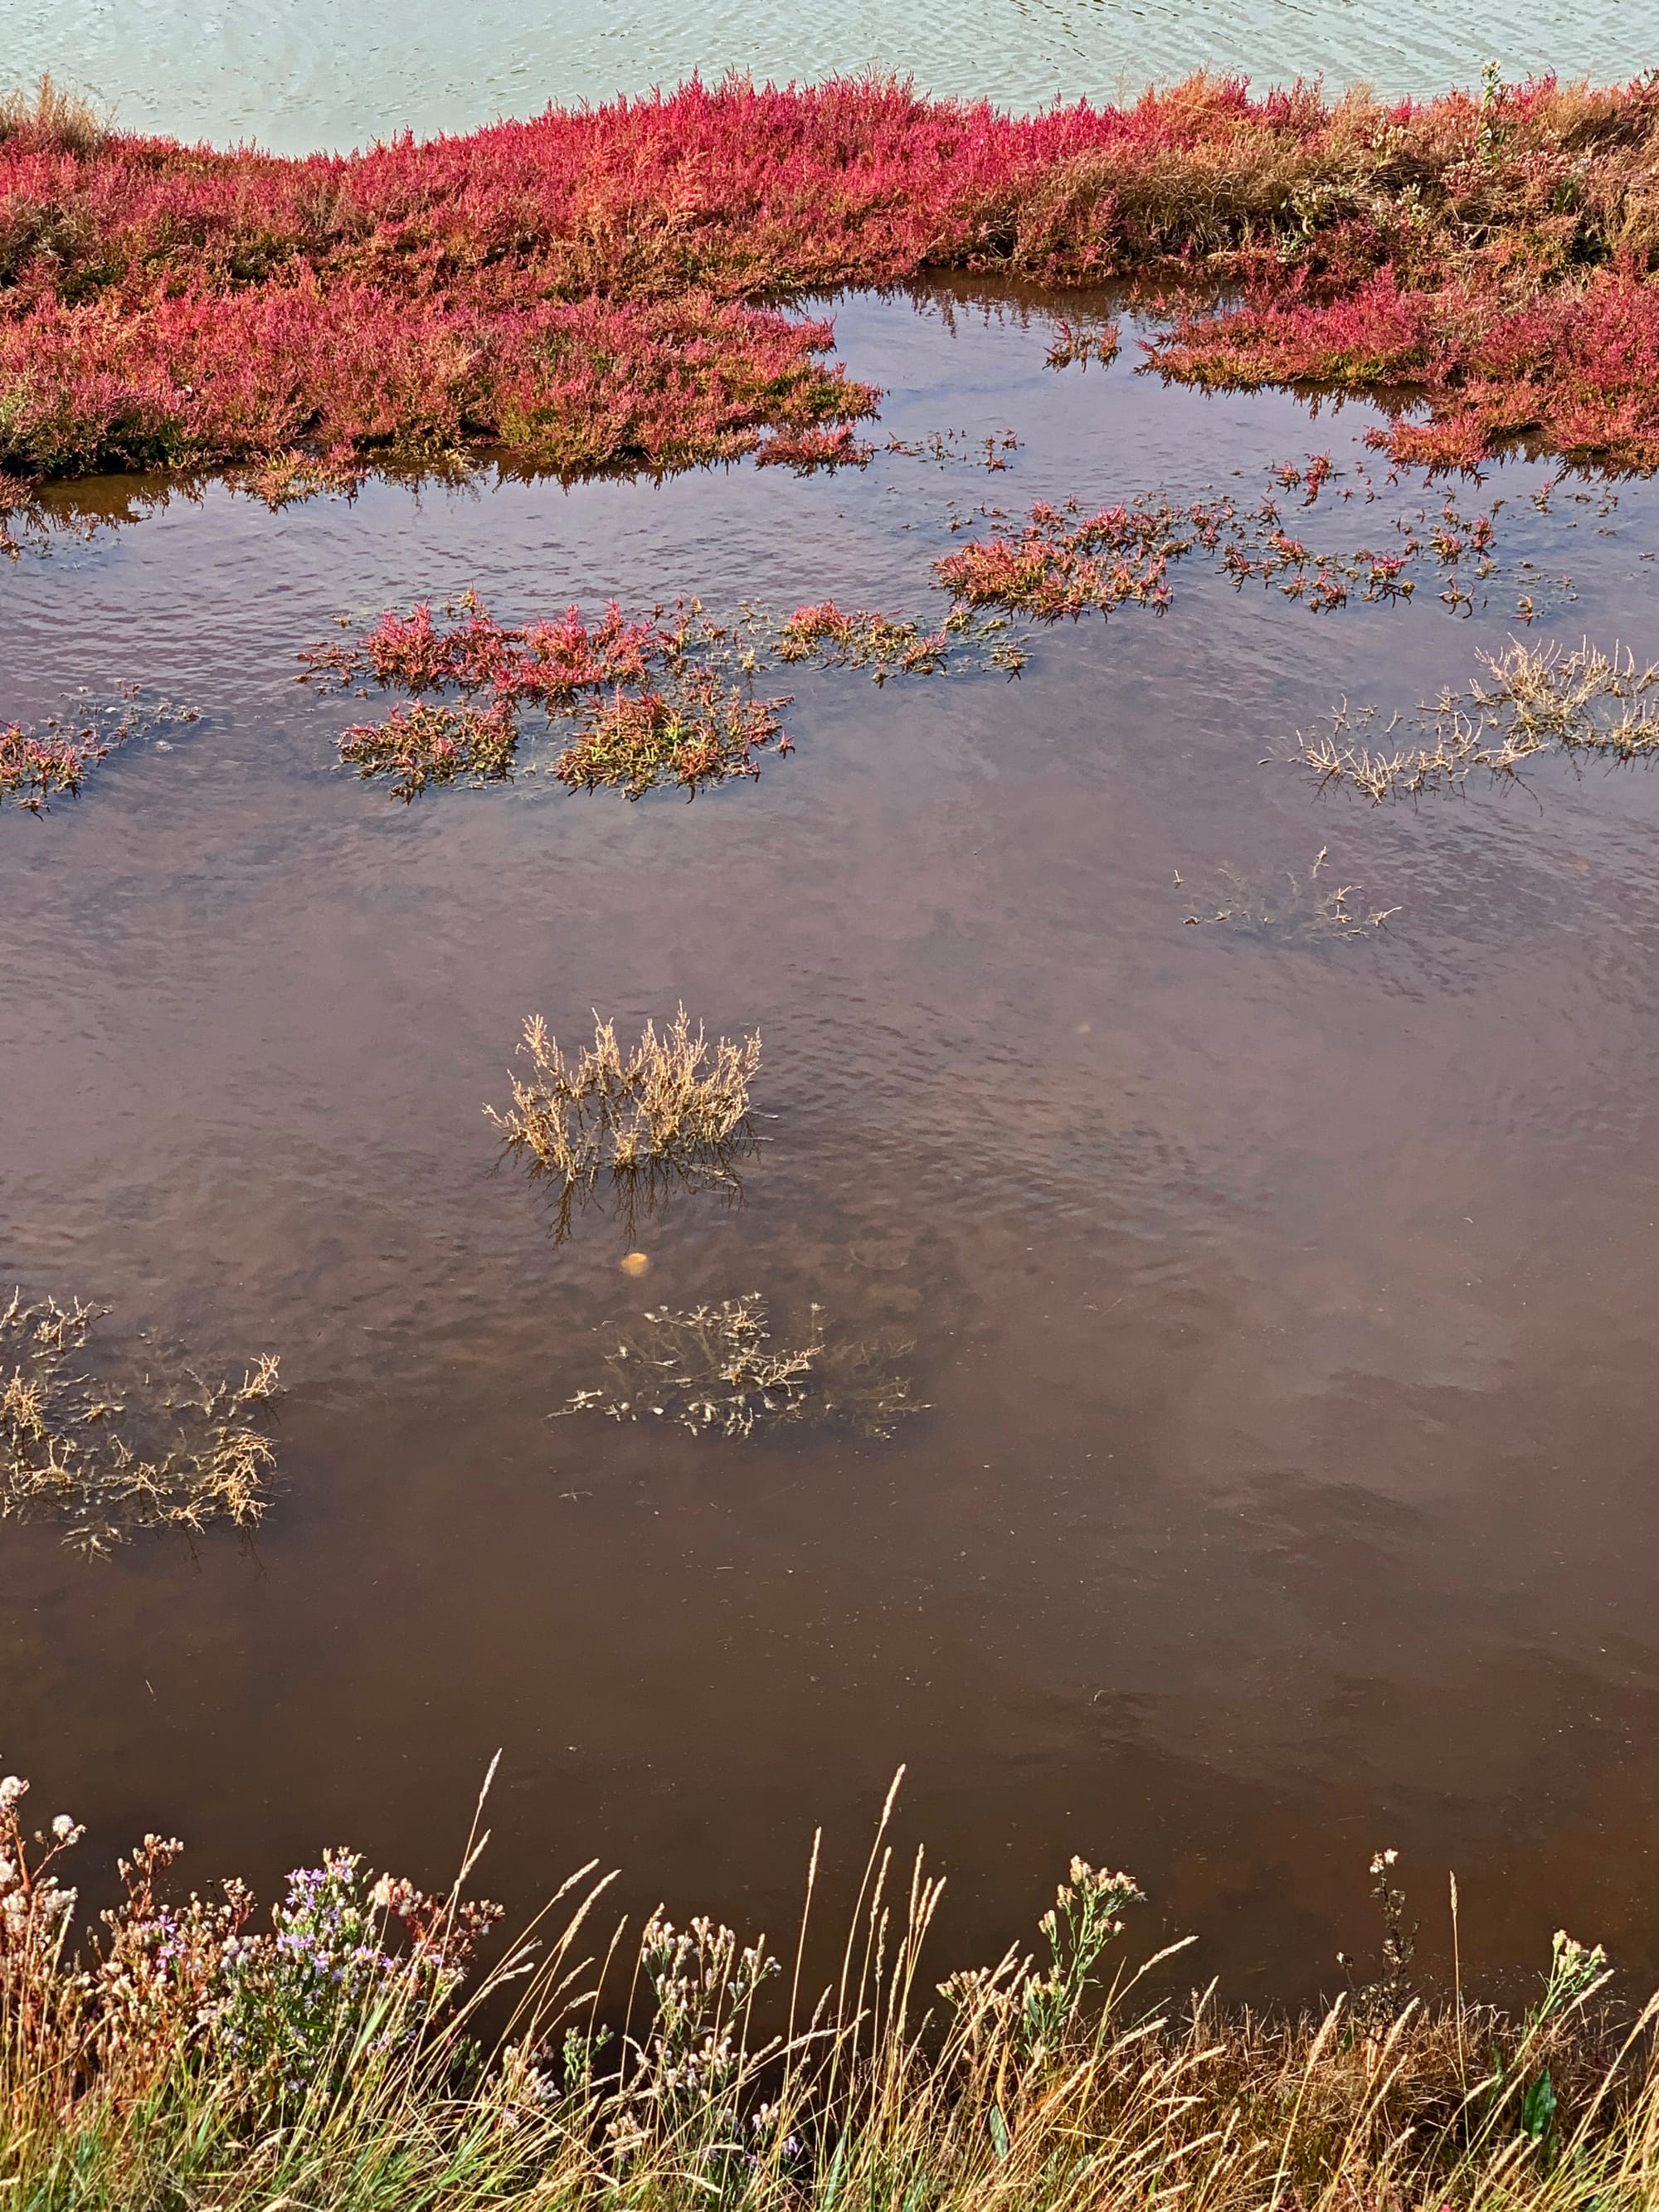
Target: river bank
333,2058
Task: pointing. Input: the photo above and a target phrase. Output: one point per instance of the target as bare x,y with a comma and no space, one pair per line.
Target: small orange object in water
635,1263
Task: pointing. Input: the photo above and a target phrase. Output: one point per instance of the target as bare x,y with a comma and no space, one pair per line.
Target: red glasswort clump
693,730
34,770
584,288
206,378
805,450
1062,561
550,662
1577,367
422,743
883,643
650,698
1106,560
644,696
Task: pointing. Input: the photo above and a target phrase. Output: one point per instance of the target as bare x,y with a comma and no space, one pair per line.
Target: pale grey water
299,74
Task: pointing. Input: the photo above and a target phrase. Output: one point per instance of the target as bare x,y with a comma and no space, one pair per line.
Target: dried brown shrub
666,1103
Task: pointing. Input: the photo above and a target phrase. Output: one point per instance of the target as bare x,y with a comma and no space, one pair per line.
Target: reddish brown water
1285,1315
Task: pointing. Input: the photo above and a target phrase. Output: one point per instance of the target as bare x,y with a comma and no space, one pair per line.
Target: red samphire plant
601,286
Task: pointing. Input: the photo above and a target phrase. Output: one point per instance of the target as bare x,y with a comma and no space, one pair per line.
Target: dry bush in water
1586,701
716,1371
665,1103
1532,699
339,2058
110,1460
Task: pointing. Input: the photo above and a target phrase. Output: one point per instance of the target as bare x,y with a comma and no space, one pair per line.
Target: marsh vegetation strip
1285,1474
344,2049
277,80
1488,258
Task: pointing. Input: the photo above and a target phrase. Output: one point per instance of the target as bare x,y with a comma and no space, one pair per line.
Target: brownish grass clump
664,1104
110,1459
1532,699
715,1371
54,116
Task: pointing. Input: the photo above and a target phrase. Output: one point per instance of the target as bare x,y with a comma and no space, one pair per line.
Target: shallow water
298,74
1284,1315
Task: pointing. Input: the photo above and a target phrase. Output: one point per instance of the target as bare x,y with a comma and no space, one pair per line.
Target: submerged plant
715,1369
944,448
1531,699
692,730
1078,340
1064,562
110,1458
806,450
1285,909
51,761
668,1103
887,646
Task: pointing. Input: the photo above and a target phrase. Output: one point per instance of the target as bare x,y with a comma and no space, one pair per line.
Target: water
298,74
1285,1486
